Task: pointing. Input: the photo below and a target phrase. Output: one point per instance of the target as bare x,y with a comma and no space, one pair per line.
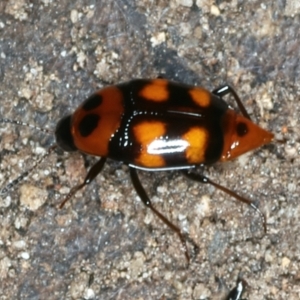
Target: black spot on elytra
92,102
88,124
241,129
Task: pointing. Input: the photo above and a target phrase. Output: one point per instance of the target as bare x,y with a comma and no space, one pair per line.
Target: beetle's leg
237,292
204,179
227,89
145,199
92,173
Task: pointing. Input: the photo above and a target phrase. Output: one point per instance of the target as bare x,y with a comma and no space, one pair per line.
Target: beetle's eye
241,129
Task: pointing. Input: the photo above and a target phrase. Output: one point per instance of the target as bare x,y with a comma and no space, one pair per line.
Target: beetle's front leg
92,173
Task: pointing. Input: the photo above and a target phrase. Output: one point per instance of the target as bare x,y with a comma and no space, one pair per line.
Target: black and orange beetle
159,125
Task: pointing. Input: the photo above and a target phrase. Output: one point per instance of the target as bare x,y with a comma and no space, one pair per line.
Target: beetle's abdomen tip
242,135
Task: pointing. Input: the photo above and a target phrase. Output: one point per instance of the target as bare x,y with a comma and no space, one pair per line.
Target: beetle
155,125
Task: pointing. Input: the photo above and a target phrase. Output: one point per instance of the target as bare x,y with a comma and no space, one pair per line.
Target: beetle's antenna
20,123
23,175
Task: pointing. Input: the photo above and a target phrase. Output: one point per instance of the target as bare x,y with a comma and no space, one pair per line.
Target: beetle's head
63,134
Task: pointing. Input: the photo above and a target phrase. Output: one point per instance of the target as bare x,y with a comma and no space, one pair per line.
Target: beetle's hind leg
145,199
92,173
204,179
227,89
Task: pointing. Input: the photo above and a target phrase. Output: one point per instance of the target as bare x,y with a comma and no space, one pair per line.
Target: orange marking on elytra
197,138
156,90
200,96
145,133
